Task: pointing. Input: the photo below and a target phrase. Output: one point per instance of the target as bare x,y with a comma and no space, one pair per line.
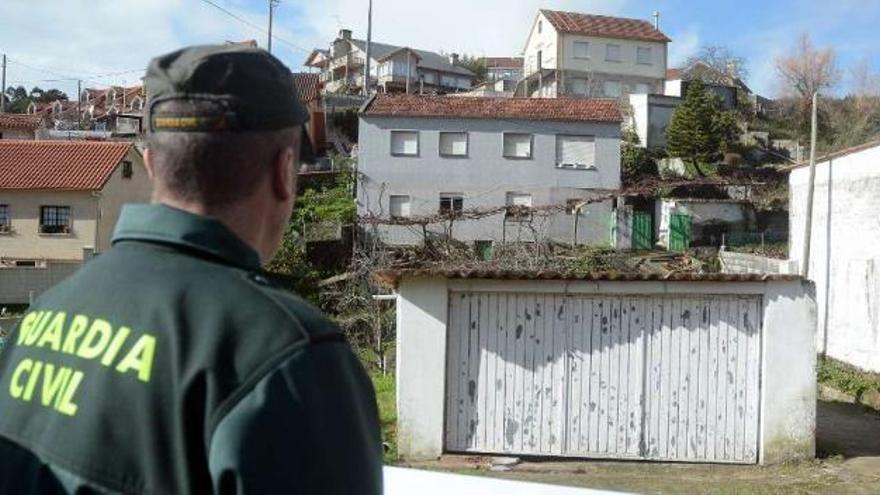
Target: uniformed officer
169,364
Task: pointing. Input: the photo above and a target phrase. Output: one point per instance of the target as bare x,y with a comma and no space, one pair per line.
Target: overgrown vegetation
847,378
18,98
386,398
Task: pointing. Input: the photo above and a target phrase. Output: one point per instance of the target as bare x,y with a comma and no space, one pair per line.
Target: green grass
847,378
385,396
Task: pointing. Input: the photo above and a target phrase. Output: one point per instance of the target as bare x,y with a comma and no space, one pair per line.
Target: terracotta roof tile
557,109
604,26
308,86
58,165
20,121
673,74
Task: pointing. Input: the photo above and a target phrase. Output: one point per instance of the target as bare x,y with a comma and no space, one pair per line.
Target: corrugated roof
58,165
20,121
393,277
482,107
604,26
430,60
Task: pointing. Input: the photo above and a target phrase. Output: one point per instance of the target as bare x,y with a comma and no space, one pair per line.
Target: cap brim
306,151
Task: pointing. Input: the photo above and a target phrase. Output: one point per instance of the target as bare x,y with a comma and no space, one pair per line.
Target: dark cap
241,89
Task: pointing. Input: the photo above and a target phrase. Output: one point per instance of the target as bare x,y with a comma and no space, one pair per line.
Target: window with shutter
517,145
399,206
612,89
575,152
405,143
612,53
519,205
453,144
643,55
451,203
581,49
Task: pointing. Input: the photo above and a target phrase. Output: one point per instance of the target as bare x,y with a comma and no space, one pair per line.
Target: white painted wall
788,377
628,65
845,253
544,41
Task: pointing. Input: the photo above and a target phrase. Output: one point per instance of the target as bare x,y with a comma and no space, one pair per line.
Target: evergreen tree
699,129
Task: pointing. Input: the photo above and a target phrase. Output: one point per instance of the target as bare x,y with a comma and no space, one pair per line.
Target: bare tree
725,66
865,86
807,69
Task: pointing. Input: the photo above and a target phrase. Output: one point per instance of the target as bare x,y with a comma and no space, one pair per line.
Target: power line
255,26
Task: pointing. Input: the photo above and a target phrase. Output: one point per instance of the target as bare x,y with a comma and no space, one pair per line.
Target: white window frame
609,58
576,166
452,197
401,131
404,214
643,49
65,229
574,50
467,144
514,157
516,212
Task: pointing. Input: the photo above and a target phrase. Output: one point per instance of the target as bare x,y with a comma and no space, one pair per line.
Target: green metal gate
642,231
679,232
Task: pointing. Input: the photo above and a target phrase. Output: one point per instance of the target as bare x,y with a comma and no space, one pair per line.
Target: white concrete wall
119,191
788,378
19,284
672,88
545,42
25,240
16,134
845,253
627,66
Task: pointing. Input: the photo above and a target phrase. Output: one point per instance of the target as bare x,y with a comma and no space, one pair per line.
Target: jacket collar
165,224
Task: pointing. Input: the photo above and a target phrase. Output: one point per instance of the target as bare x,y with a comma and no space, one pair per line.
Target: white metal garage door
665,378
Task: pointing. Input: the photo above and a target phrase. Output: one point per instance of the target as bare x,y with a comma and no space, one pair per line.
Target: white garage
703,368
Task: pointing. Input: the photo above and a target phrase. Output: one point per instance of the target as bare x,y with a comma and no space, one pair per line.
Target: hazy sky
51,43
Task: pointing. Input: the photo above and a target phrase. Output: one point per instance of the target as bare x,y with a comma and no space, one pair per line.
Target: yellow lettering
77,328
53,382
32,381
37,329
113,348
53,332
15,389
95,340
140,357
27,325
65,404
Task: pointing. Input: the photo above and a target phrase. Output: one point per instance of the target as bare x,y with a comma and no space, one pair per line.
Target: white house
392,68
571,54
489,169
844,250
695,368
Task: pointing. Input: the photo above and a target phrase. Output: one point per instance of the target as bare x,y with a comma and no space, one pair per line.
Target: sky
52,43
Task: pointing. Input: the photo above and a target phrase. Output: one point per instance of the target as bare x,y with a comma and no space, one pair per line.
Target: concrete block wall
750,263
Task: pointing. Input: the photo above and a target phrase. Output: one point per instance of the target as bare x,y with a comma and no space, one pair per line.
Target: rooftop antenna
657,20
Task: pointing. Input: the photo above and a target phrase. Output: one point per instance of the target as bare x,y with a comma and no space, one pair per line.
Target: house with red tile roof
59,197
584,55
19,126
498,168
309,89
116,109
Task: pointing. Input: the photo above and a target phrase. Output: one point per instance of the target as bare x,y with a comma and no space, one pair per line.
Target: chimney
453,58
657,20
345,34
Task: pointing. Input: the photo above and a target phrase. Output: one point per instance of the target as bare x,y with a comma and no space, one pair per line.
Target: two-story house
571,54
115,109
19,126
500,169
59,202
392,68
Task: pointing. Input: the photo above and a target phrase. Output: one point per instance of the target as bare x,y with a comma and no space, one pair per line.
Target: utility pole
808,230
79,102
369,40
272,5
3,87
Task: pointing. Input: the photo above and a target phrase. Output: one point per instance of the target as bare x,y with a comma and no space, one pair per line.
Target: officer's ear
284,174
148,163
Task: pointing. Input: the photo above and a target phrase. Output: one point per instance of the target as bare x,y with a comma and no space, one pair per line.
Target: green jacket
169,364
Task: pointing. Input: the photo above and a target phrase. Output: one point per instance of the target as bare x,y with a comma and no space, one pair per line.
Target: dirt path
848,444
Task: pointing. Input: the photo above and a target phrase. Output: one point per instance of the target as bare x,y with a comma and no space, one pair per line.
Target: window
519,206
405,143
578,86
399,206
643,55
643,88
581,49
517,145
539,59
5,221
449,81
430,78
575,152
451,203
54,219
453,144
127,171
612,53
540,26
612,89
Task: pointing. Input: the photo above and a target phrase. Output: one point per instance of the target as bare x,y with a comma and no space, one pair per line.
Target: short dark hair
215,169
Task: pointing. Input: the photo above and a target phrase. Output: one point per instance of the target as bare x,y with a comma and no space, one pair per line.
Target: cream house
59,202
571,54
